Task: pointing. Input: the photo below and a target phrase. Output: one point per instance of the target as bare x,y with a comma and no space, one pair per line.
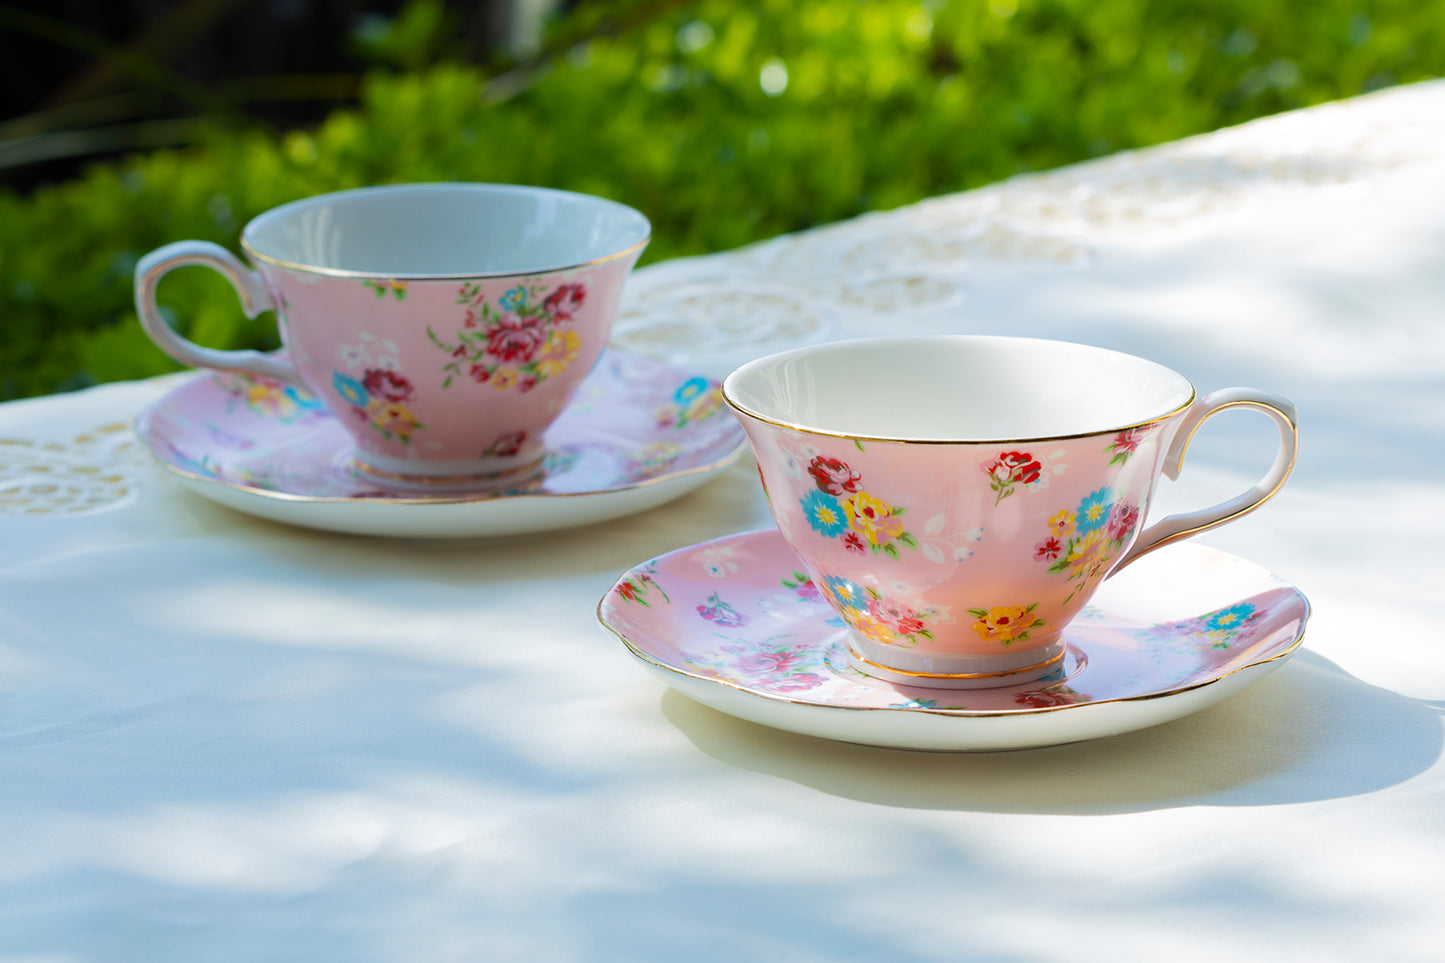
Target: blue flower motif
350,390
1230,619
514,299
690,389
824,514
845,592
305,402
1093,511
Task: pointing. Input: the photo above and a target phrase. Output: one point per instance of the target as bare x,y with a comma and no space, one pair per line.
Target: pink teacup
444,325
958,499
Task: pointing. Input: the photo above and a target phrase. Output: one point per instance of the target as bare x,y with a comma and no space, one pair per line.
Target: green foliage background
885,102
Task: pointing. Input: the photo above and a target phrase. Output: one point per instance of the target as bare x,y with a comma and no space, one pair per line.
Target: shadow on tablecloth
1309,731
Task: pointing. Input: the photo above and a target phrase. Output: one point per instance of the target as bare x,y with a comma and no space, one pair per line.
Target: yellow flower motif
1062,523
269,398
559,351
873,518
1004,623
392,416
871,627
504,378
1088,556
704,405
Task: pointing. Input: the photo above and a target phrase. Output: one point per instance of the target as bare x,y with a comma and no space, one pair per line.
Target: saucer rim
652,662
142,428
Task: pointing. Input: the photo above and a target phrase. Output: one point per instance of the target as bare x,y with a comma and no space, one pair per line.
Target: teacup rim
729,396
290,207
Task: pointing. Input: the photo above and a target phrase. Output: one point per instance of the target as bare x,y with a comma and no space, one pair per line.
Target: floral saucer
735,624
639,433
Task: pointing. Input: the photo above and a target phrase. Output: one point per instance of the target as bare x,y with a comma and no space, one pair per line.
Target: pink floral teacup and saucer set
949,571
443,369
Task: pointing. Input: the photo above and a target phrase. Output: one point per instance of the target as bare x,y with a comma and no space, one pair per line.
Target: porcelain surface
639,433
445,325
736,624
953,556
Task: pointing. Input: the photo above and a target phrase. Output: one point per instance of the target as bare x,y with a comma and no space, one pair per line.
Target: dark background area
85,80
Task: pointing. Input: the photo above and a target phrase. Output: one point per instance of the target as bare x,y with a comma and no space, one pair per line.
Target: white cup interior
956,388
449,230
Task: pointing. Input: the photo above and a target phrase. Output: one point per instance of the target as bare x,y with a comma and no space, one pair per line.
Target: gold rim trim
642,656
852,652
1027,440
256,255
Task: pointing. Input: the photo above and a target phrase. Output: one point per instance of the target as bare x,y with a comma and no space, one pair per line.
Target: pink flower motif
565,302
833,476
898,617
1048,549
768,662
1121,521
514,339
853,543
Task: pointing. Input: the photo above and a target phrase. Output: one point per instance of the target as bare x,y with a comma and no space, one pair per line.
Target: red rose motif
1014,467
480,373
1043,699
1127,441
1121,521
508,445
515,339
565,302
833,476
853,543
527,383
628,591
386,385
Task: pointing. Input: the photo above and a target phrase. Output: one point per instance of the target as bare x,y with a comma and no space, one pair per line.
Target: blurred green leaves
724,122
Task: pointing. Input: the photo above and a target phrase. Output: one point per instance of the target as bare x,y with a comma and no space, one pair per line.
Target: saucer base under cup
509,475
934,670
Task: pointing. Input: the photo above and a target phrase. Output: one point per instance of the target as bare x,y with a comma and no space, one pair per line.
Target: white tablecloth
224,739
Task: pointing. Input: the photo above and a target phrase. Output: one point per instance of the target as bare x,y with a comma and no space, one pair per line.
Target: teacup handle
249,288
1172,528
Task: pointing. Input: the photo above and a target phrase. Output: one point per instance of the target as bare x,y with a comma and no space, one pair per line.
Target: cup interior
956,388
445,230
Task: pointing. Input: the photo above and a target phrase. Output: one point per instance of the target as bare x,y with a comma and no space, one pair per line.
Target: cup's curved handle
1172,528
249,288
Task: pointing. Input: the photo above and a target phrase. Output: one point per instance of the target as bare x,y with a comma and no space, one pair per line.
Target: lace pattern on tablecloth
89,473
798,288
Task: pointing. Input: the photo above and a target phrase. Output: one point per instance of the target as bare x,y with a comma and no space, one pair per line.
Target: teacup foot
938,671
512,475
